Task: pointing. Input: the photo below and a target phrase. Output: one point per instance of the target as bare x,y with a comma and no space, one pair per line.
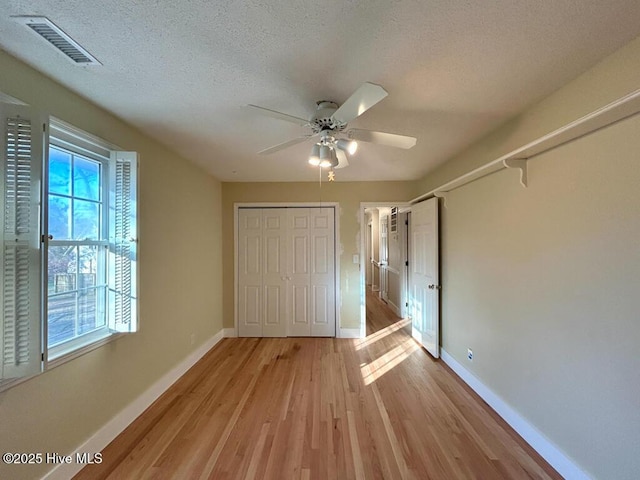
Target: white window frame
119,170
71,140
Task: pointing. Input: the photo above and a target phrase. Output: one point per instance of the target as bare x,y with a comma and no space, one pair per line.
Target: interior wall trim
230,333
100,439
350,333
550,452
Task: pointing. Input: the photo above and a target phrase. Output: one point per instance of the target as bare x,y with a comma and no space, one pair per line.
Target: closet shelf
620,109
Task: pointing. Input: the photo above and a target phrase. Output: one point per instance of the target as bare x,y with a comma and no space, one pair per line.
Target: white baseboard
350,333
117,424
342,333
394,307
547,450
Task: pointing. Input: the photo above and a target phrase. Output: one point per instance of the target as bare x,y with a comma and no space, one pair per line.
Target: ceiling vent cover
63,42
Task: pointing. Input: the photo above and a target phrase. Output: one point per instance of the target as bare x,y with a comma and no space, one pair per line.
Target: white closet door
322,272
274,276
299,274
250,267
286,272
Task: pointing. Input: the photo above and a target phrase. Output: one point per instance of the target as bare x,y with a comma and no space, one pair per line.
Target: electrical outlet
469,354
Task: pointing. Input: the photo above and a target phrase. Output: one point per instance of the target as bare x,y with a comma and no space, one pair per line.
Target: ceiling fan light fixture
314,158
325,156
349,146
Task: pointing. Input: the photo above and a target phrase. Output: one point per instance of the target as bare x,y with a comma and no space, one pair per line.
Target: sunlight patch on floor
388,361
374,337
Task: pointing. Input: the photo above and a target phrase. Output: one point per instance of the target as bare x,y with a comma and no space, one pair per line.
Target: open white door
424,298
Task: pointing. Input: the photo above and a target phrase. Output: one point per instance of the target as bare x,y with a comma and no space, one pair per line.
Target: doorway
383,258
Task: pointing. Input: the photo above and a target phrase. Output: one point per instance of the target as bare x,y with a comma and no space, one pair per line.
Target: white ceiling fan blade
365,97
279,115
342,159
283,145
382,138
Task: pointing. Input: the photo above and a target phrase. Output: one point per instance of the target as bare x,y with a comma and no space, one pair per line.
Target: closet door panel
299,265
249,273
274,277
322,272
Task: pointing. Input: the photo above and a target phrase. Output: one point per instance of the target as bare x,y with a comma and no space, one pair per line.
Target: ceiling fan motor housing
322,119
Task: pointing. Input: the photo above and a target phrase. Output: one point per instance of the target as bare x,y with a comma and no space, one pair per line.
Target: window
77,248
68,238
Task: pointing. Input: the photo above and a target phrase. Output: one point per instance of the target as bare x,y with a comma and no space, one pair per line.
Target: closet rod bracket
443,196
520,164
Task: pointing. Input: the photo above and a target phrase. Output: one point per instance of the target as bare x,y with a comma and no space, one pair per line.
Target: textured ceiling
182,70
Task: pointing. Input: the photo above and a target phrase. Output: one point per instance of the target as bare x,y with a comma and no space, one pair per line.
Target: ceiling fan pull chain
320,180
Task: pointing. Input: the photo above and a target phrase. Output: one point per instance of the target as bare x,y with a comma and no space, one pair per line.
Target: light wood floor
320,408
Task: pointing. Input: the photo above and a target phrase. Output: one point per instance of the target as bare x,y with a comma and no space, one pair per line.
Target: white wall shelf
615,111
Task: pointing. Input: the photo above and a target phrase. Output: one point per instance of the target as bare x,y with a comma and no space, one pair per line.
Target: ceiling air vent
56,37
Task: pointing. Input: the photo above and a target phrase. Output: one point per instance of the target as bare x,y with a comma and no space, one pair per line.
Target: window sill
63,355
62,358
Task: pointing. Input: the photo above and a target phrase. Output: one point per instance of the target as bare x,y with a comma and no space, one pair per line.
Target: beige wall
348,194
614,77
542,283
180,289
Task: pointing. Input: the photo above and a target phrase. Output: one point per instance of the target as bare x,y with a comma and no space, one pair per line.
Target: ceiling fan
329,123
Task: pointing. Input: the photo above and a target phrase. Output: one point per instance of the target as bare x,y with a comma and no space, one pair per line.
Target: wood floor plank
318,409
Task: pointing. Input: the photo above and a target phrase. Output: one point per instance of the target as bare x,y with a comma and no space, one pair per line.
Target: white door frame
336,208
404,251
363,231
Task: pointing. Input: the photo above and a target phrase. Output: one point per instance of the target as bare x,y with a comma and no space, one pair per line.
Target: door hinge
42,356
406,263
406,222
406,304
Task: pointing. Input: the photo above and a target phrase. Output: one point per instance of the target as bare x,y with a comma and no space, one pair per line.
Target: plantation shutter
23,149
123,297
